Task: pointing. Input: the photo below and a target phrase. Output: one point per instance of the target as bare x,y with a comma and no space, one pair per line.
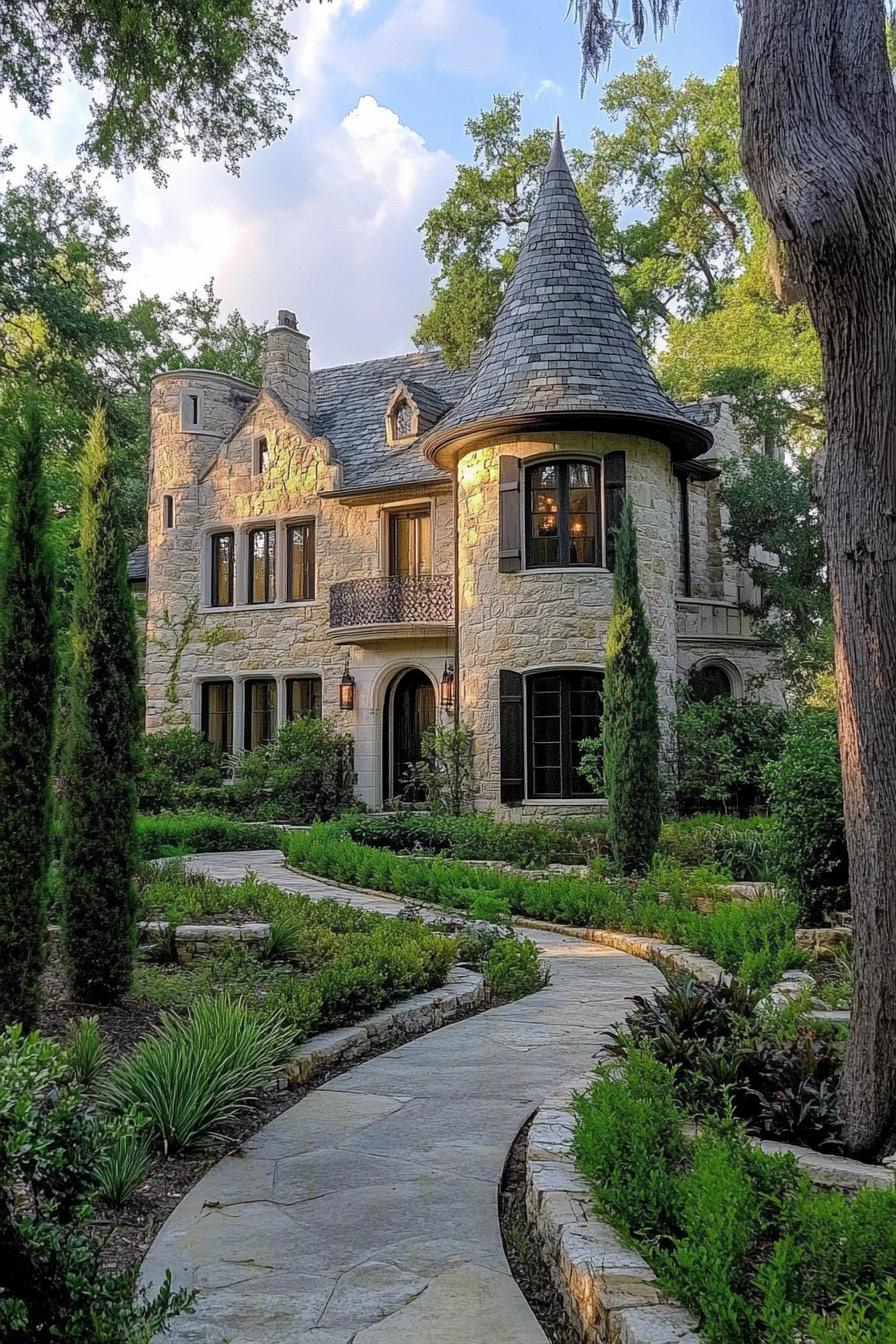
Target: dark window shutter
512,737
509,548
614,497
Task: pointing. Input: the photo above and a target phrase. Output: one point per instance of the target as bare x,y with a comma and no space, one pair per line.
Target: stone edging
464,991
668,956
609,1291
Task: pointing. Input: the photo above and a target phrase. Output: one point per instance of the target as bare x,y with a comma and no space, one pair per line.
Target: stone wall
540,618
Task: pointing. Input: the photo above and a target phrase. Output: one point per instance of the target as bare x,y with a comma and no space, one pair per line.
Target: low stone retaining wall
668,956
192,941
609,1291
464,991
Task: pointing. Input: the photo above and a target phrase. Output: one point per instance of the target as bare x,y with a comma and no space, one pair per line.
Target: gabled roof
562,352
350,404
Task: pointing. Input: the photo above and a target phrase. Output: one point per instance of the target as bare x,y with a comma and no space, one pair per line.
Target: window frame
248,686
309,526
595,465
168,514
564,741
315,682
261,454
269,577
192,399
205,711
213,591
415,512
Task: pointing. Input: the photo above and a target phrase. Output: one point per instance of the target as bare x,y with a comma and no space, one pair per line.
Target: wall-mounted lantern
347,688
446,687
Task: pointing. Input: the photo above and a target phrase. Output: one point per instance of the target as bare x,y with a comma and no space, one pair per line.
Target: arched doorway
410,710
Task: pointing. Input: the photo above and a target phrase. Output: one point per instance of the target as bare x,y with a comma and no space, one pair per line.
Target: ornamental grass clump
196,1074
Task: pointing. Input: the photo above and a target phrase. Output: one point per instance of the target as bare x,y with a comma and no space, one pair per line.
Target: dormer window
403,421
262,455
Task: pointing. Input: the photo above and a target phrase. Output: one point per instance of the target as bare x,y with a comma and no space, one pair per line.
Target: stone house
393,543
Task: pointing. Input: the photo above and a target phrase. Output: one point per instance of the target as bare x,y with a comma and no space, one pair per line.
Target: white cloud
324,221
451,36
548,86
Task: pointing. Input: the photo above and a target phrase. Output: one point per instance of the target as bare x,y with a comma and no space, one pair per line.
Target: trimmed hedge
751,939
476,835
178,833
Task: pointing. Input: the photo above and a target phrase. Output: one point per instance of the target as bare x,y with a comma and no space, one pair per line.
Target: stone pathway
367,1213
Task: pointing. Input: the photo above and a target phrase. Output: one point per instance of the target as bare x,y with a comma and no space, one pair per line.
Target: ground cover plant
170,834
752,939
736,1234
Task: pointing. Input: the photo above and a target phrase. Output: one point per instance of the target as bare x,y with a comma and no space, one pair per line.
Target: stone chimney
286,365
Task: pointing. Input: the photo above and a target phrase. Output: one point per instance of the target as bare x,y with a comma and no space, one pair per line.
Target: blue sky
325,220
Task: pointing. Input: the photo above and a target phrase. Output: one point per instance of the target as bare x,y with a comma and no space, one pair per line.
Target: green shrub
85,1052
195,1074
720,751
444,773
753,939
201,833
53,1283
491,909
738,1235
476,835
511,968
173,765
630,727
298,1003
305,774
741,846
806,795
99,931
628,1144
27,703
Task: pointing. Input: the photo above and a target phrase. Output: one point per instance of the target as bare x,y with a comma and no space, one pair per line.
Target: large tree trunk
819,148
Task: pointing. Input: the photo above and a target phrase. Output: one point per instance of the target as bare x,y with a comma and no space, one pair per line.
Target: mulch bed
521,1249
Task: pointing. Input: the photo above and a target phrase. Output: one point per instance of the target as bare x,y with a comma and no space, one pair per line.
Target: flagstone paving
367,1213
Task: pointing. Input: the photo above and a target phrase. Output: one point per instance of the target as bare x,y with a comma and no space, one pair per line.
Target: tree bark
819,148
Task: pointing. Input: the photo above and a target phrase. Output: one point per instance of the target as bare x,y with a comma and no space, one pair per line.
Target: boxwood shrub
177,833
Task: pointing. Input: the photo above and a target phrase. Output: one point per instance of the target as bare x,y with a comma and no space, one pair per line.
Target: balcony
396,606
701,619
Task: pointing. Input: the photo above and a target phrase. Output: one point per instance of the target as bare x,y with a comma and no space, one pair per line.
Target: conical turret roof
562,353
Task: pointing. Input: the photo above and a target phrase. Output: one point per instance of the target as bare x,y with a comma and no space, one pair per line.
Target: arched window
710,682
402,420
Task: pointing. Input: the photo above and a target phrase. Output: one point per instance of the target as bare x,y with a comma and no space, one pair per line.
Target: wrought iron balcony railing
394,600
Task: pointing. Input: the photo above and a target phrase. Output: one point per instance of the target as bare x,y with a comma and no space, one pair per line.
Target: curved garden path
367,1213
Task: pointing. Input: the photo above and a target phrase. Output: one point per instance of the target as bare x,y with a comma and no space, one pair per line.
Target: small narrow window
684,537
167,511
403,421
261,564
262,455
222,569
303,698
300,562
191,410
217,715
260,712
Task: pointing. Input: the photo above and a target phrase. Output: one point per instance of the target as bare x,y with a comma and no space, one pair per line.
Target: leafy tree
819,148
631,733
205,75
100,793
774,531
27,698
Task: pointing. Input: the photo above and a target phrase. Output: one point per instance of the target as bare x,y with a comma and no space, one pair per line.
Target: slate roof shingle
138,564
562,342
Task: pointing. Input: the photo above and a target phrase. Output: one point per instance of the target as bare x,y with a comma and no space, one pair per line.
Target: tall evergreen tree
27,697
100,796
631,733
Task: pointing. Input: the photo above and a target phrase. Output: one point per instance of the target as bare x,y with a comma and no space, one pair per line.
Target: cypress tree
631,733
27,697
100,794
